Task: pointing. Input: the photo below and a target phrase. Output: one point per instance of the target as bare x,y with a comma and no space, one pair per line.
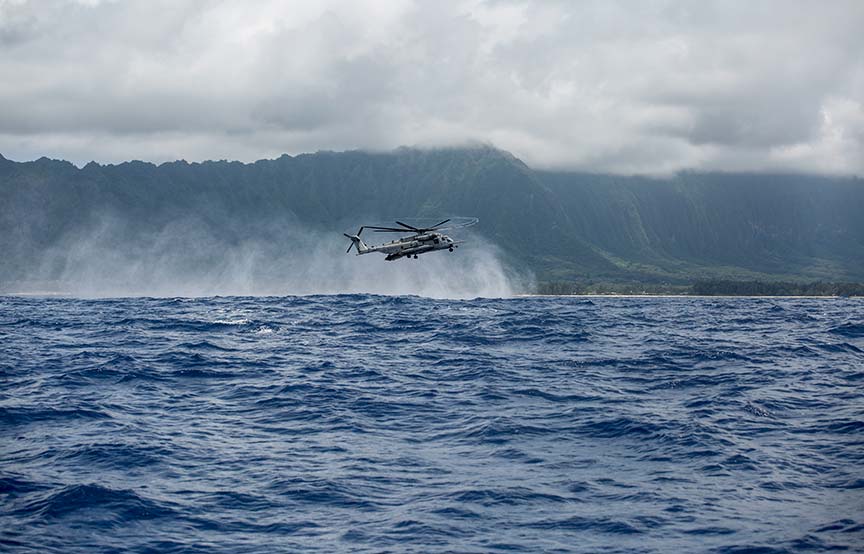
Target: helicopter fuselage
407,247
422,239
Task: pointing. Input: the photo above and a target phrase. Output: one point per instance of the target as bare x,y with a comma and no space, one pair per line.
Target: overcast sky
625,87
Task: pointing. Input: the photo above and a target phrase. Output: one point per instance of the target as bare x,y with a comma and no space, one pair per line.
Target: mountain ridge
561,225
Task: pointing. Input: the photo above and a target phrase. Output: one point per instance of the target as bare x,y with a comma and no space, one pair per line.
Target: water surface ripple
399,424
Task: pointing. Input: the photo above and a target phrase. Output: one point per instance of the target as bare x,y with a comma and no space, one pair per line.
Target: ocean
360,423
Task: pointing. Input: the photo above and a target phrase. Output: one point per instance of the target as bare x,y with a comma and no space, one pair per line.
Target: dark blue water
385,424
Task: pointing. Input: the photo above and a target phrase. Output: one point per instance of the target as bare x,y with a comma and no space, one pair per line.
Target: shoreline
523,295
615,295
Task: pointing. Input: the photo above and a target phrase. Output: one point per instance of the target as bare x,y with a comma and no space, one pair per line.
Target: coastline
596,295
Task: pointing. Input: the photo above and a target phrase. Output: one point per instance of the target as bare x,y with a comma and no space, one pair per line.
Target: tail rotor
356,241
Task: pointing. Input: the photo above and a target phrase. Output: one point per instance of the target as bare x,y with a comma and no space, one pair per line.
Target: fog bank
191,258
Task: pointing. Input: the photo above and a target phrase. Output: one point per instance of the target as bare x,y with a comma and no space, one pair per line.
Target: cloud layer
624,87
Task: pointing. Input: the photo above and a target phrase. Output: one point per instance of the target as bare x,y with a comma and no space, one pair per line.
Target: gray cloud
644,87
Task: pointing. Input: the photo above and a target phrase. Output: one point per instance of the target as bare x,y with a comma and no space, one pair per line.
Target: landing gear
451,249
415,256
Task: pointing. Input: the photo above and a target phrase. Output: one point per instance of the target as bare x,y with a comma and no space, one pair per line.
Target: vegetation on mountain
564,227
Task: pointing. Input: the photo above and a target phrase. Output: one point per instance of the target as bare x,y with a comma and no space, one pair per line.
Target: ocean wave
33,415
359,423
850,329
104,504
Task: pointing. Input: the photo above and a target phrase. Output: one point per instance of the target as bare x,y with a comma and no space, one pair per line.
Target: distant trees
719,287
575,287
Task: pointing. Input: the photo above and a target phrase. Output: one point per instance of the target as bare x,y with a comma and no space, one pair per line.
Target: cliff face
560,225
791,226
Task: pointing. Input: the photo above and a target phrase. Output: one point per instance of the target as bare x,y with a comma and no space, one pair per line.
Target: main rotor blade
471,221
409,227
439,224
386,229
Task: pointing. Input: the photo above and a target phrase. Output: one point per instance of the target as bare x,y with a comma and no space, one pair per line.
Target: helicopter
420,241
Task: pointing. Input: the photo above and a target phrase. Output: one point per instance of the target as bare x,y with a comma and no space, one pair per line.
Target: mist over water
194,257
473,270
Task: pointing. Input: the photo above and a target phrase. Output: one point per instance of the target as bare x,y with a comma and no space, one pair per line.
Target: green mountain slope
560,225
716,224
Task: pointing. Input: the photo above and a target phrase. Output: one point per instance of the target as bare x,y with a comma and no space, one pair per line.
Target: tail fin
357,242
